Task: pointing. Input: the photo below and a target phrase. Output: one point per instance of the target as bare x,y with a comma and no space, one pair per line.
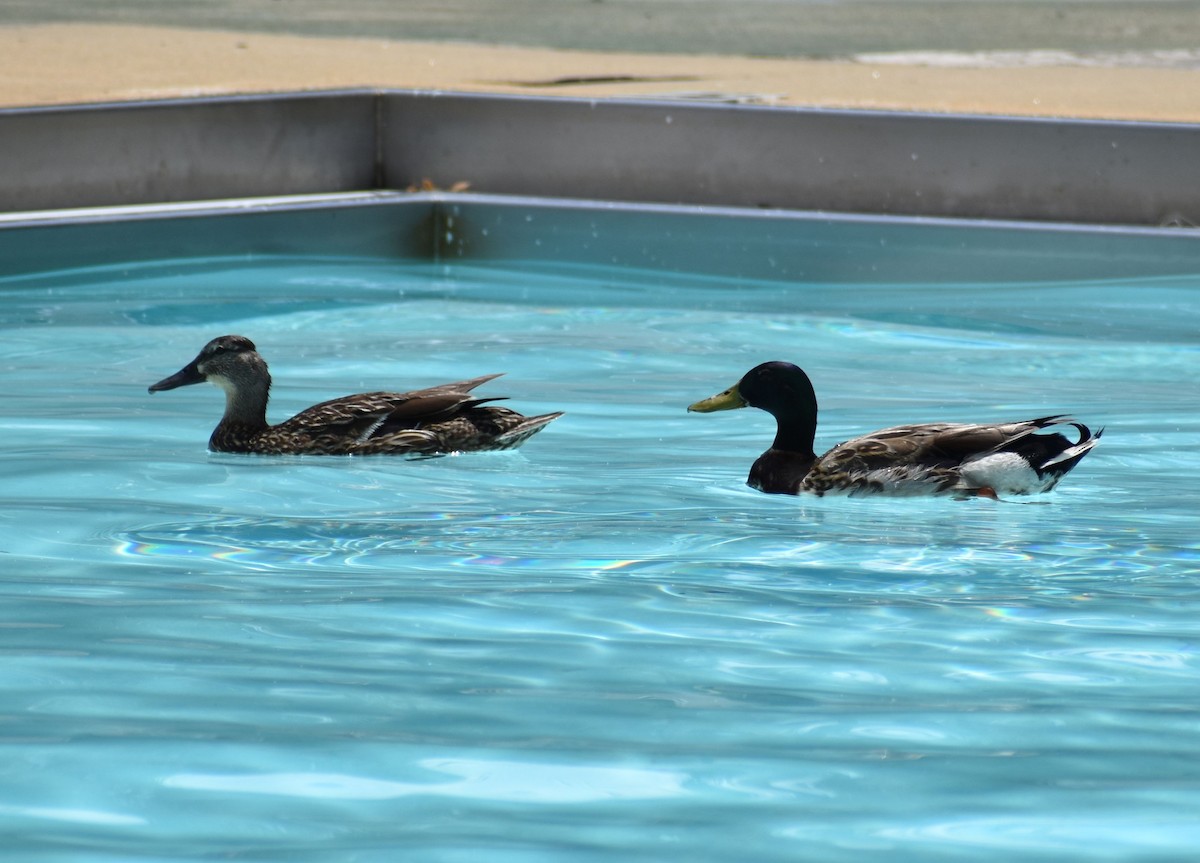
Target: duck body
985,459
440,419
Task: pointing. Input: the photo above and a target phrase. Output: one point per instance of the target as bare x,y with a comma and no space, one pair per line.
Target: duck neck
245,403
796,429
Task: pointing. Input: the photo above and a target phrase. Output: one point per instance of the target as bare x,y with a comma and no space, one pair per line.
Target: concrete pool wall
834,161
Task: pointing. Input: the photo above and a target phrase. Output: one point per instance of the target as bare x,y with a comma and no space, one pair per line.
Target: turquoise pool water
602,647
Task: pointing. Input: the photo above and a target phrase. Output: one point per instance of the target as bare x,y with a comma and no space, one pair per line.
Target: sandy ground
70,63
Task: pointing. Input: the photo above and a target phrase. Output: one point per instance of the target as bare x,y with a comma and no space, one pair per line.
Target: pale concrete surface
1082,58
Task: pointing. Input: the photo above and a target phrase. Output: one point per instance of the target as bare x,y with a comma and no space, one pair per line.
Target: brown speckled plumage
928,458
441,419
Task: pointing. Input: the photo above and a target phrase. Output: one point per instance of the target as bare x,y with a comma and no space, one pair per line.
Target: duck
433,421
940,458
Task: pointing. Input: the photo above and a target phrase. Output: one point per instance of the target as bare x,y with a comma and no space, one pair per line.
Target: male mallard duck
440,419
932,458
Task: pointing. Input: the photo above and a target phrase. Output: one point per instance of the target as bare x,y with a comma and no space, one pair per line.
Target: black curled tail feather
1070,455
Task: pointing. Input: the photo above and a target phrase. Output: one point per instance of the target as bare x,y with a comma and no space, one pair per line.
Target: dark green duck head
233,364
784,391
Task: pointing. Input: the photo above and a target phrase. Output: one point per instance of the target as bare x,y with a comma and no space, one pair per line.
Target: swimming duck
439,419
932,458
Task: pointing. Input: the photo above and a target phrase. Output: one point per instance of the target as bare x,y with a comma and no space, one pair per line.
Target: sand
78,63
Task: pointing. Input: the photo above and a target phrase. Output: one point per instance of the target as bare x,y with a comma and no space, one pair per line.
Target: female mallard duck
933,458
440,419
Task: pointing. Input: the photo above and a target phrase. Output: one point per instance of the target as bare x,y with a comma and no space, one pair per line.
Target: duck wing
343,425
915,458
941,457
